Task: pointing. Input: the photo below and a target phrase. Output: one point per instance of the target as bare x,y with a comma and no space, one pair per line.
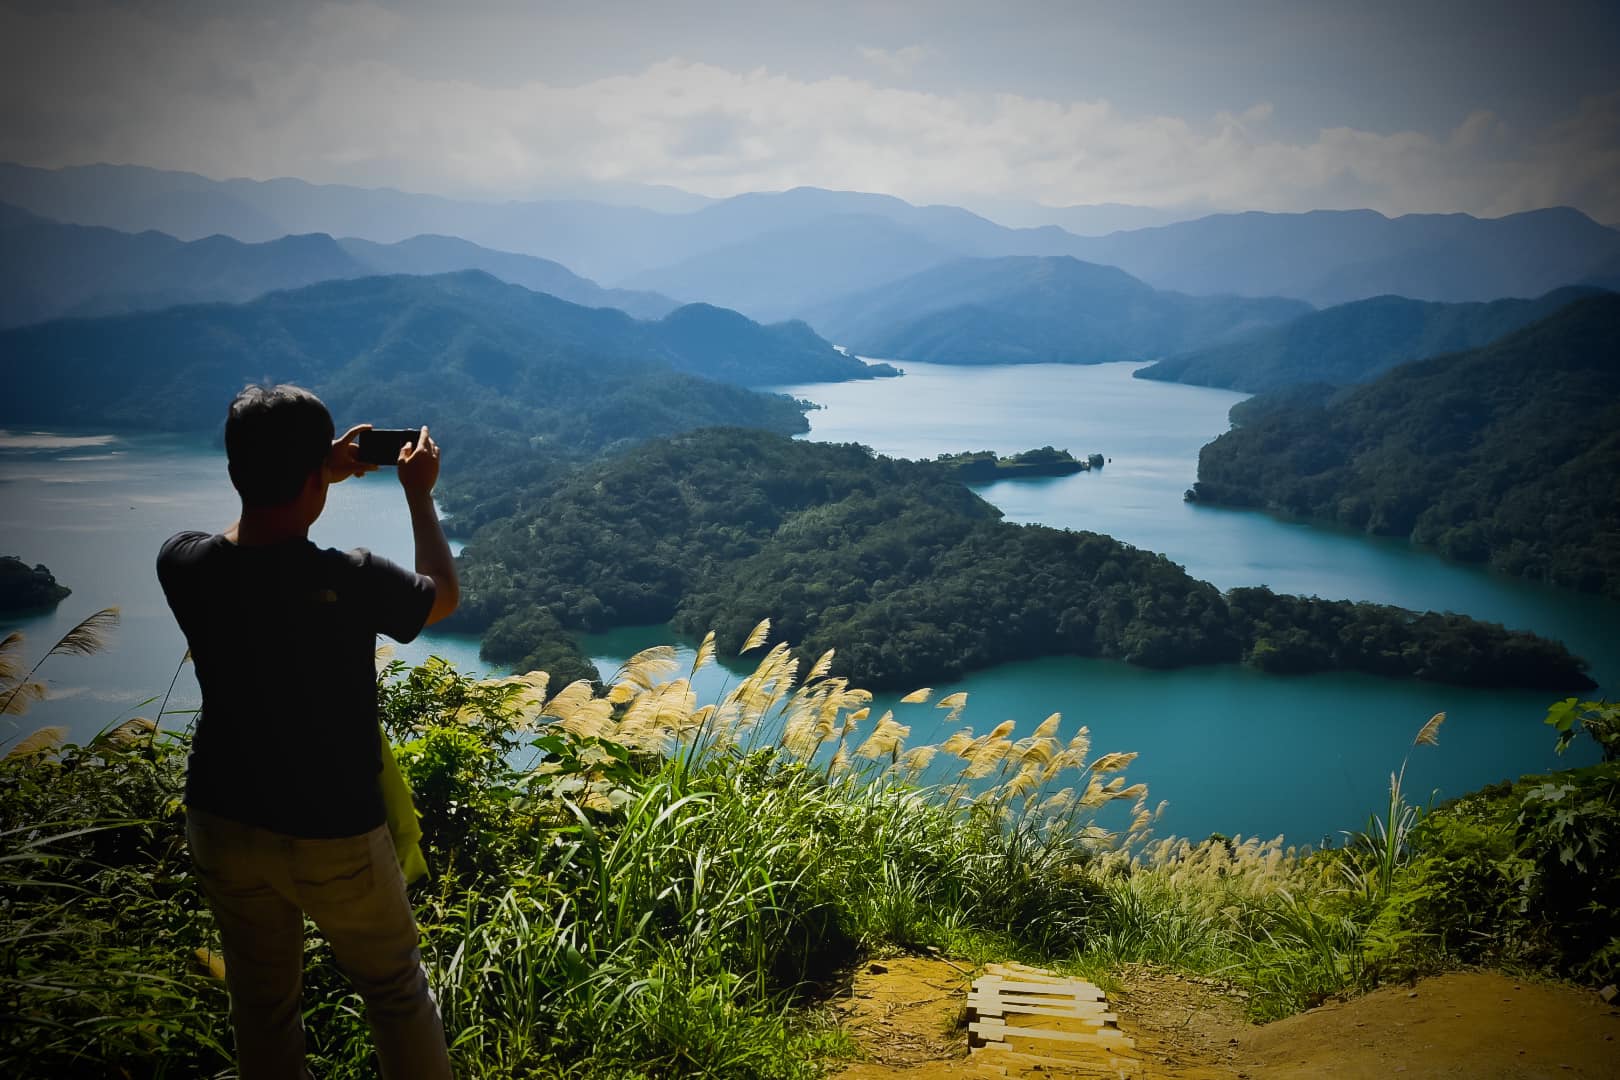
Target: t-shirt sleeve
177,553
396,600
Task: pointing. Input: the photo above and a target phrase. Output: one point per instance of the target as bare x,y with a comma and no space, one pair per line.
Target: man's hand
419,465
341,462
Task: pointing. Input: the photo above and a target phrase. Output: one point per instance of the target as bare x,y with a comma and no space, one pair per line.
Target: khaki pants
260,884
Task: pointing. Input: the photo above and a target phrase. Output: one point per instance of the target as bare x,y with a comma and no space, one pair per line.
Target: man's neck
260,527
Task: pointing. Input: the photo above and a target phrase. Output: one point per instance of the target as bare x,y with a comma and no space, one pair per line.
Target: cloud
325,101
896,61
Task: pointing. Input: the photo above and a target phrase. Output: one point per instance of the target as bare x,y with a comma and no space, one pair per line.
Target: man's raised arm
418,472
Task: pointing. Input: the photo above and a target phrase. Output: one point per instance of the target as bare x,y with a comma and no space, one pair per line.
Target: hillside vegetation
463,350
627,884
1035,310
1508,454
1354,342
913,577
27,588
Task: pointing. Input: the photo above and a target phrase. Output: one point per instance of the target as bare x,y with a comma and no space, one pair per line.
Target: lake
1230,749
95,509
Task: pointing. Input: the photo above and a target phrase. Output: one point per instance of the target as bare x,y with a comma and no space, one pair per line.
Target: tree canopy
1507,454
908,574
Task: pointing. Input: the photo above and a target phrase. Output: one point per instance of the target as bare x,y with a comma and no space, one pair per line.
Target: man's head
277,439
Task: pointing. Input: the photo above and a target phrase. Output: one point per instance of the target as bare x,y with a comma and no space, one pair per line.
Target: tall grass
627,883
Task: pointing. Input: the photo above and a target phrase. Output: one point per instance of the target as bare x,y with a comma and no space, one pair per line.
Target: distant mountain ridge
1354,342
787,272
1509,453
1022,309
492,345
1324,257
1088,219
1332,257
604,242
48,269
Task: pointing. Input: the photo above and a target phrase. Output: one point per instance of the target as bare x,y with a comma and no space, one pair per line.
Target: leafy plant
1377,852
1599,719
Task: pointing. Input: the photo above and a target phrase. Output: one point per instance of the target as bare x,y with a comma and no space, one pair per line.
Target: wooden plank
1106,1038
990,1024
1025,973
1067,1008
1004,985
1018,1001
1096,1019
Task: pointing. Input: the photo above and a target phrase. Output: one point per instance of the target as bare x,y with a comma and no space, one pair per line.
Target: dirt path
1476,1025
906,1014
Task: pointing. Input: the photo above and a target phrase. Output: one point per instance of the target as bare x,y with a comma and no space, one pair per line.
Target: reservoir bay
1231,750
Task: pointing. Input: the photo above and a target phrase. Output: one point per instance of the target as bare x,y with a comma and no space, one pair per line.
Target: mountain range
403,349
1025,309
49,269
1331,257
798,257
1354,342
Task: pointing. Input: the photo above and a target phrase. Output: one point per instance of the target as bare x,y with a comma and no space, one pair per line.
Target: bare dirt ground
906,1014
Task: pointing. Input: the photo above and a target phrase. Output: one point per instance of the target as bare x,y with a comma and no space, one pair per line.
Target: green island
27,588
908,573
985,466
1507,454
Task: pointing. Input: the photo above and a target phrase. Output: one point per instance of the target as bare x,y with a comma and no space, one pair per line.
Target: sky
1419,106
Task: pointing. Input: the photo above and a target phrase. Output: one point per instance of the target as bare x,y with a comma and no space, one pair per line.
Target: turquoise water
1231,750
96,510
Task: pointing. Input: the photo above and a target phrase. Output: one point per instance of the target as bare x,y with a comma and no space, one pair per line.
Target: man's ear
313,495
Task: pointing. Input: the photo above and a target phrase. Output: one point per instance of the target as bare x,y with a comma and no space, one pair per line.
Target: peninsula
26,588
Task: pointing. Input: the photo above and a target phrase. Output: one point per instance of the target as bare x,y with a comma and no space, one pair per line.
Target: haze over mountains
1334,256
49,269
771,255
1023,309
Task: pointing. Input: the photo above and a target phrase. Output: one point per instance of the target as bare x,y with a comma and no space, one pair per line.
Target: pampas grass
19,690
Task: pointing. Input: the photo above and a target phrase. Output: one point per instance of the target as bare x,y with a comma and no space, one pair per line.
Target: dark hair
275,436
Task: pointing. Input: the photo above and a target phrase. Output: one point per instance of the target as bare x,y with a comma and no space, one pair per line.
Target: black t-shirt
284,637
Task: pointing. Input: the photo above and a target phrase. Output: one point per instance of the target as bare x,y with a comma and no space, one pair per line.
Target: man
283,804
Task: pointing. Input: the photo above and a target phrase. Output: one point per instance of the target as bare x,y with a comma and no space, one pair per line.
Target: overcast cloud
1483,108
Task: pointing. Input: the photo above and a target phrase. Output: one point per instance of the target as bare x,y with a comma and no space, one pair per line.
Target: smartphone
381,446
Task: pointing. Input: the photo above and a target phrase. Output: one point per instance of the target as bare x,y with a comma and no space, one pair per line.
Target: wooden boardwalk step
1042,1017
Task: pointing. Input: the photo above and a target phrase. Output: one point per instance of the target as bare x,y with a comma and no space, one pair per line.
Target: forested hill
503,373
912,577
50,270
1354,342
1508,454
413,346
1028,309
